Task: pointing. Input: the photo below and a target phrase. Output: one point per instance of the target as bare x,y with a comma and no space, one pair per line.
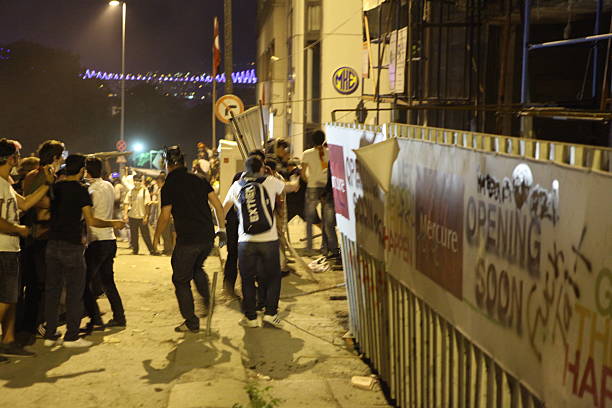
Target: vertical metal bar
409,340
525,397
405,373
478,380
392,334
427,353
434,365
451,365
490,381
525,67
461,377
444,370
514,394
421,352
468,372
414,357
596,31
499,386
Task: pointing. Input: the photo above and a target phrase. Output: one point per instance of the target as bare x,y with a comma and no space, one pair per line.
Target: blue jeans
65,266
329,225
314,196
187,265
259,261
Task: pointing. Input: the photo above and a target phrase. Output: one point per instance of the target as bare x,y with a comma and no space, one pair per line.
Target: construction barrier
478,267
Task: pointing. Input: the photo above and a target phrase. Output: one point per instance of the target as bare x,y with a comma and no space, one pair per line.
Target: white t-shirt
10,212
317,173
137,200
103,198
274,187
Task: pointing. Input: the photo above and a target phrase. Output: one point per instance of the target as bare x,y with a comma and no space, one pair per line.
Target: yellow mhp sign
345,80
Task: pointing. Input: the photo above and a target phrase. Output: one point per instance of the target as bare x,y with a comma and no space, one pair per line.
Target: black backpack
255,206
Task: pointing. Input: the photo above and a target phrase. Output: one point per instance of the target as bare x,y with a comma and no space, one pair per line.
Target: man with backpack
254,197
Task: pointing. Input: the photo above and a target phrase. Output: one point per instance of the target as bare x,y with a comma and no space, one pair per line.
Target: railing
595,158
423,360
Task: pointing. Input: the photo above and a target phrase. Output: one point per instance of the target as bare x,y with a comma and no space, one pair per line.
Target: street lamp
115,3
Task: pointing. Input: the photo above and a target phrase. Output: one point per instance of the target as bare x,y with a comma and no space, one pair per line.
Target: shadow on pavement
271,352
193,352
29,371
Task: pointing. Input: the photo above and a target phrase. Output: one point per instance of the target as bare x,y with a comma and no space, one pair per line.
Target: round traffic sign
121,145
226,105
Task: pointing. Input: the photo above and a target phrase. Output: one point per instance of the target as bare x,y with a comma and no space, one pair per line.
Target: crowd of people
61,216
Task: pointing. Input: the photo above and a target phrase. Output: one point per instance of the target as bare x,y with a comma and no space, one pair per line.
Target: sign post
226,105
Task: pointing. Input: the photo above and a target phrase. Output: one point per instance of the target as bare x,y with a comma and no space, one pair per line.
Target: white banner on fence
371,4
359,210
515,253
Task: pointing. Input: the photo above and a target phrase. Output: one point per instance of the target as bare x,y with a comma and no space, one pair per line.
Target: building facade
310,64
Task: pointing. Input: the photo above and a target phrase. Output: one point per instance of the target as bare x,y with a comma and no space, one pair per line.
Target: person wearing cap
136,214
186,197
10,231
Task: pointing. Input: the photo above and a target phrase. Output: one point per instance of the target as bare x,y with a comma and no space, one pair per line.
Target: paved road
149,365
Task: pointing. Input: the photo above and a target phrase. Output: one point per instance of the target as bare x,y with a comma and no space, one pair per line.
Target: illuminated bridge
247,77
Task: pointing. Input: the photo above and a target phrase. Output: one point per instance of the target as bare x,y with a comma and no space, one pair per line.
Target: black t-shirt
188,195
69,197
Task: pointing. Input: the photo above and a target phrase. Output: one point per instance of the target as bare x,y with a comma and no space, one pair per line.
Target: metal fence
422,359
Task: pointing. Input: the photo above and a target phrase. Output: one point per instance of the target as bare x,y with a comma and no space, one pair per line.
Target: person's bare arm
27,202
219,210
162,224
13,229
92,221
304,171
292,186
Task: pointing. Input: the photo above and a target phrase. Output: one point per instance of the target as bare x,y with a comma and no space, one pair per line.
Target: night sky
162,35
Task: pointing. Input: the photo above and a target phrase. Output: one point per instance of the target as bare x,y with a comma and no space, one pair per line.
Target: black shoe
4,360
94,326
116,323
13,350
183,328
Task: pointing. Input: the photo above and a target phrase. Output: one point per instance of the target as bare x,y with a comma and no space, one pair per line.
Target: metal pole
228,57
596,50
591,38
123,20
525,67
526,122
227,53
214,101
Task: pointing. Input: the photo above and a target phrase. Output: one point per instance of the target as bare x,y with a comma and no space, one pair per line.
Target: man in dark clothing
185,196
64,256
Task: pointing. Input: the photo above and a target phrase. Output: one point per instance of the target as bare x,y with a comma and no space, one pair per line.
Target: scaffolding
478,64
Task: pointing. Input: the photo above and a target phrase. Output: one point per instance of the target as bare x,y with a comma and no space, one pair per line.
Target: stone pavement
149,365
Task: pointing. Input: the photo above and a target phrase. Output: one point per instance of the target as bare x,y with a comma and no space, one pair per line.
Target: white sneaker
52,343
245,322
274,321
78,343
